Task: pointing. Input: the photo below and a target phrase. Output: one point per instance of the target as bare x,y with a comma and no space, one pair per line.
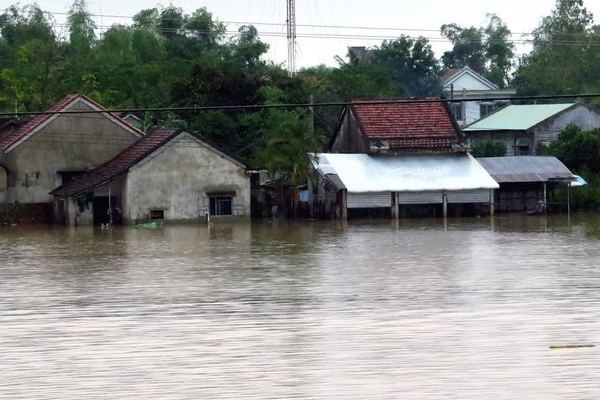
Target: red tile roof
9,138
409,125
118,165
449,74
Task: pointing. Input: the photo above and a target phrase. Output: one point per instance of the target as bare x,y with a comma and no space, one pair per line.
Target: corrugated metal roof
517,117
361,173
525,169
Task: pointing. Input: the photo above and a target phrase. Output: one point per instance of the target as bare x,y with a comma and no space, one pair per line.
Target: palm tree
289,143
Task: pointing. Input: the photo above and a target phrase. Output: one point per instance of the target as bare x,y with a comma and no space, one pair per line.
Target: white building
464,84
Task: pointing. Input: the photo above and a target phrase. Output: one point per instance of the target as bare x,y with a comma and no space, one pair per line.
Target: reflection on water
413,309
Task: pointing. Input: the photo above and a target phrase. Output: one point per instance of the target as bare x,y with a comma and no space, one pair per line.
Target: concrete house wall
542,134
178,177
509,138
67,143
349,138
547,132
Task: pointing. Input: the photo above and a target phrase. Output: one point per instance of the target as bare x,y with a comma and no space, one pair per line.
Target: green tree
289,143
564,56
411,64
487,50
579,150
489,148
30,59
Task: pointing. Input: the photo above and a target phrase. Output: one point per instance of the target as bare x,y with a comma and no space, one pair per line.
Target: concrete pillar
569,199
395,206
545,197
3,185
445,204
343,204
492,205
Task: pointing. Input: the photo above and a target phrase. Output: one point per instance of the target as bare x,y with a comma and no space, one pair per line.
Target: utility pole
291,36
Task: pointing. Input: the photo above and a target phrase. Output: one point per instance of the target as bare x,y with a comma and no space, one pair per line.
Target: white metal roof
363,173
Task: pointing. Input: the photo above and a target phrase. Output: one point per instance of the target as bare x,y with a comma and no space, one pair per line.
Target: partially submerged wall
178,179
68,143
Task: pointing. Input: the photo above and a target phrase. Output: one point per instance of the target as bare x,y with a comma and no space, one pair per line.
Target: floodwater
312,310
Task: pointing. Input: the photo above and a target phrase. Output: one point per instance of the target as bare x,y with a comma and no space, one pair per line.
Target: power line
358,27
349,36
245,107
337,35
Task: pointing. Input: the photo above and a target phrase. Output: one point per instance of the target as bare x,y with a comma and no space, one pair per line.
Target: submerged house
168,175
398,159
40,155
525,129
527,183
479,96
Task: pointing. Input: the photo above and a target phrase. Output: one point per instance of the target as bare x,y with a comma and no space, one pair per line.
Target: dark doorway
101,215
59,212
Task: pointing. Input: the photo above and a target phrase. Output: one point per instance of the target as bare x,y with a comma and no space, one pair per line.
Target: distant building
464,84
527,183
526,128
400,127
398,159
394,186
132,119
168,175
51,149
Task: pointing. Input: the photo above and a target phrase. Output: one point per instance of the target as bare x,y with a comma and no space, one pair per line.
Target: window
68,176
157,214
485,109
457,111
221,205
522,147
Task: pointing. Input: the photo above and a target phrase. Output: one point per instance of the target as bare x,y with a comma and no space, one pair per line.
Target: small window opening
486,109
457,110
157,214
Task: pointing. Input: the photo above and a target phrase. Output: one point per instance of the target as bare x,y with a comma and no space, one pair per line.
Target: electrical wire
309,35
357,27
300,105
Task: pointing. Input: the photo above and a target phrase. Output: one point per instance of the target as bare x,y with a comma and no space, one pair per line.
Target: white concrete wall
70,142
176,179
468,82
472,112
580,115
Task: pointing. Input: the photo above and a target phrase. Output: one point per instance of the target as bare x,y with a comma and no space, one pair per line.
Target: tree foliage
489,148
564,56
487,50
579,150
168,57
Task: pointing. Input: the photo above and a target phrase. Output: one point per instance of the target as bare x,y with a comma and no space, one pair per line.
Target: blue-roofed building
525,129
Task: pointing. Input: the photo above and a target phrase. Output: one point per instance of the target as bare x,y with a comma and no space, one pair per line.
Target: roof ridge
119,164
28,128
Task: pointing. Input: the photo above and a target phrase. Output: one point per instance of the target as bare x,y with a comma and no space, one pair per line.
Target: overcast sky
424,16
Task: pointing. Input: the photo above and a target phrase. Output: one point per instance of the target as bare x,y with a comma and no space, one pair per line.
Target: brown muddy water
312,310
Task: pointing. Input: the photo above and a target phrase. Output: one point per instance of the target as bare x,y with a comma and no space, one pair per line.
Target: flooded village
187,214
80,164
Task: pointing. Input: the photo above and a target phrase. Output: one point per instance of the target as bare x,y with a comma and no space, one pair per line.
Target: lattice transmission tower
291,36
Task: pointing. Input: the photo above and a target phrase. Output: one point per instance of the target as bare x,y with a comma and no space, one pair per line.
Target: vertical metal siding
469,196
369,200
429,197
